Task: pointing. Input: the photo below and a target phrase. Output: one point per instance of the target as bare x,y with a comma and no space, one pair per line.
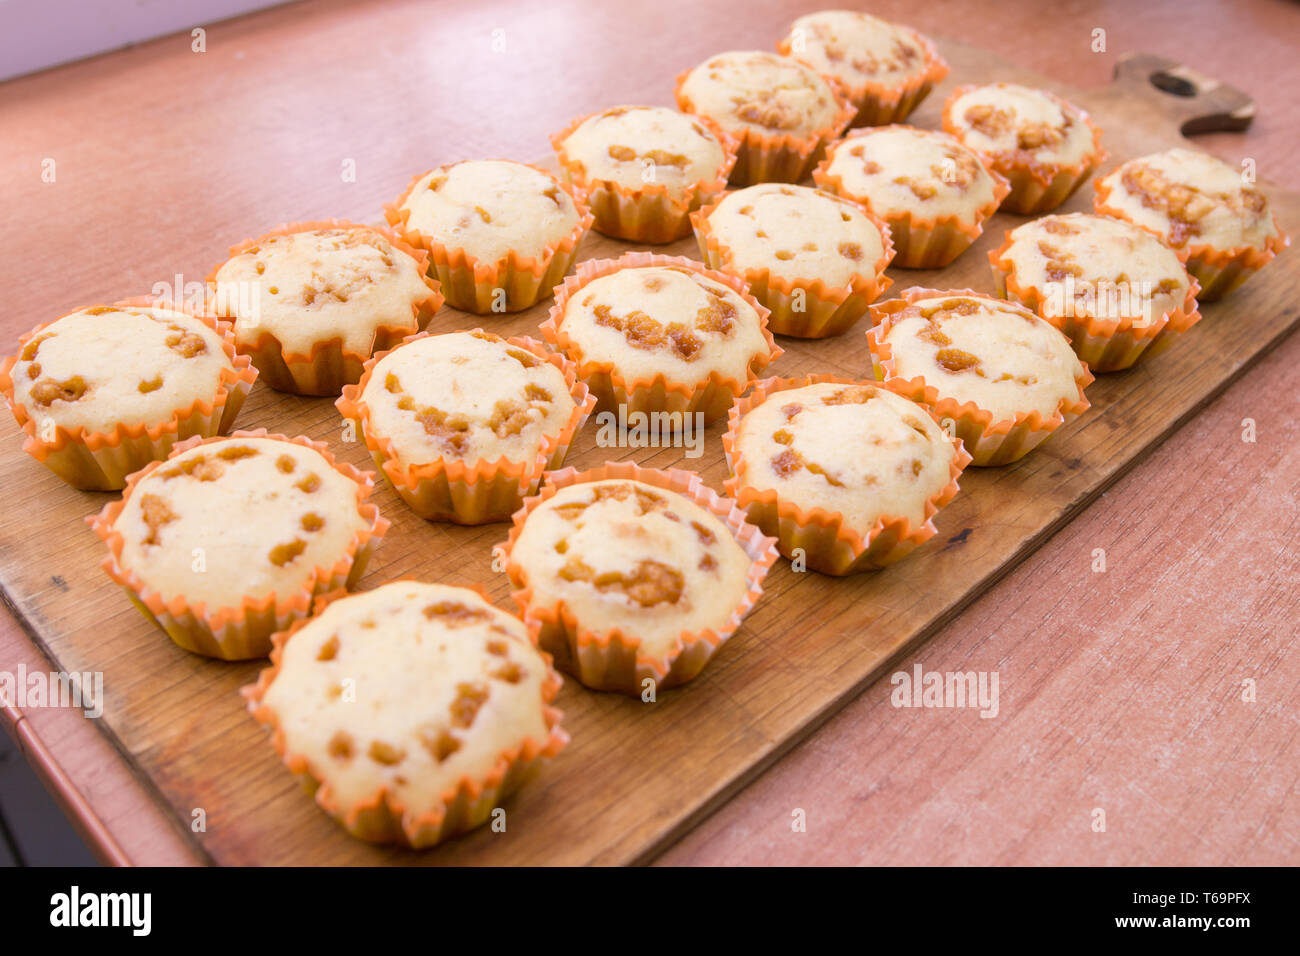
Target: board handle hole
1170,83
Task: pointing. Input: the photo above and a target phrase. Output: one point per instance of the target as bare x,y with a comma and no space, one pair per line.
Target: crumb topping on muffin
797,233
490,208
639,146
857,47
1191,198
237,518
1106,262
896,170
1021,125
994,353
670,320
753,90
100,367
318,285
410,688
470,396
856,449
624,554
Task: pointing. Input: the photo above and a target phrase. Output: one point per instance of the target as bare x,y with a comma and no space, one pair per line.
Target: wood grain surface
746,704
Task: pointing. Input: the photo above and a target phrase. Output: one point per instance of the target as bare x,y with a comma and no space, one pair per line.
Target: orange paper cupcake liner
817,535
987,441
1105,345
711,397
242,632
478,287
920,243
328,366
469,492
880,104
803,308
778,157
381,817
101,461
1036,187
613,660
648,214
1219,271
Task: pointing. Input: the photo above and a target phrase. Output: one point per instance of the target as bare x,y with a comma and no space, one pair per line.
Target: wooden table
1121,691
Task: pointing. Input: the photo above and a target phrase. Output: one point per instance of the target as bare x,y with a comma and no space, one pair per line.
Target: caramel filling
282,554
452,431
646,501
186,344
204,467
1185,205
996,123
765,108
454,614
642,331
659,157
902,55
470,698
154,512
47,391
651,583
955,360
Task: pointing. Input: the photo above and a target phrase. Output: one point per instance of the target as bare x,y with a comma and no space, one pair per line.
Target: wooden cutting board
638,775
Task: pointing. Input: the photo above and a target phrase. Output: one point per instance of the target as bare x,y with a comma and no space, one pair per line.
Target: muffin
782,112
104,390
815,260
499,234
933,191
464,424
311,301
660,334
449,711
229,539
1044,146
645,169
1114,289
996,375
886,70
1202,207
846,475
635,577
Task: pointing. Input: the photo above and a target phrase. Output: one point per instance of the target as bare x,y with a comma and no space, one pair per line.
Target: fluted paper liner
1106,345
778,157
381,817
919,243
1036,187
612,660
244,631
328,366
989,442
827,310
469,492
648,214
879,104
101,461
821,536
711,396
472,285
1219,271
